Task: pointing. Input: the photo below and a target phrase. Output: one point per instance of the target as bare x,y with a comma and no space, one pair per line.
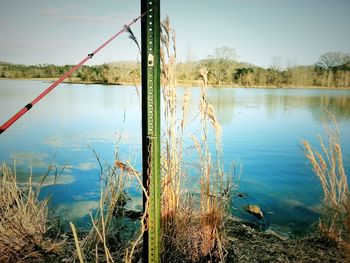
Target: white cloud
51,180
77,209
112,20
50,11
65,15
3,22
37,159
87,166
17,44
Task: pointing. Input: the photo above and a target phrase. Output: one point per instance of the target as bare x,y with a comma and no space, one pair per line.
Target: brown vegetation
191,227
329,169
24,222
102,243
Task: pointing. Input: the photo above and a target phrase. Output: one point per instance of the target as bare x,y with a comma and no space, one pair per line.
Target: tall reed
173,133
191,227
102,243
328,166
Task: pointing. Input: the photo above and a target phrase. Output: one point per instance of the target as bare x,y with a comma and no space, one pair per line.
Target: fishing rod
26,108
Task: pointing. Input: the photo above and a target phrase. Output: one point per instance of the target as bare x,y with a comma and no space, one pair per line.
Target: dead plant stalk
329,169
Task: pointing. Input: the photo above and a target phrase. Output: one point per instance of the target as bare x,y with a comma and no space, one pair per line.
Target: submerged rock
242,195
254,210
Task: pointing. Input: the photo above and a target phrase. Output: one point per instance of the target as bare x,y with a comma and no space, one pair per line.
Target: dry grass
102,242
172,154
23,222
329,169
192,228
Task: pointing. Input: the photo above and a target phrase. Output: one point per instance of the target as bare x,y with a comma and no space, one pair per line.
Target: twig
79,251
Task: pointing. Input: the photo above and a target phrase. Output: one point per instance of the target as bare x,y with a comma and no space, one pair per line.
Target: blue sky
63,32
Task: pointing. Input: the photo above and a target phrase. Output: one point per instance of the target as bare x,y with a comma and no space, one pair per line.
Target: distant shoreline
180,84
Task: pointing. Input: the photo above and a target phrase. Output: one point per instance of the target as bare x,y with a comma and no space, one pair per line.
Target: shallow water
262,131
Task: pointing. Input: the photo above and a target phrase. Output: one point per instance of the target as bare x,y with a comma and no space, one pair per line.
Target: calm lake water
262,131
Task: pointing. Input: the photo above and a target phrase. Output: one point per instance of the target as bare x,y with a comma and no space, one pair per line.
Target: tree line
112,73
331,70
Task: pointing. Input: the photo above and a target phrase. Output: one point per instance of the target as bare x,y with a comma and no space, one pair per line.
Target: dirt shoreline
248,244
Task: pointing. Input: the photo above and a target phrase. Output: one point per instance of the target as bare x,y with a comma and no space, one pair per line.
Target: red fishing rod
26,108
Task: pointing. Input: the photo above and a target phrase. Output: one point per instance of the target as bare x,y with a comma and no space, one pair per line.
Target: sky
291,32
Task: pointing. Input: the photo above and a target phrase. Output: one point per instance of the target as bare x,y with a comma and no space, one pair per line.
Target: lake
262,130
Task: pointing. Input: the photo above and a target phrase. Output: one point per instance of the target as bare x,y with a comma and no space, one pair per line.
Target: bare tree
225,54
190,55
219,63
332,59
276,63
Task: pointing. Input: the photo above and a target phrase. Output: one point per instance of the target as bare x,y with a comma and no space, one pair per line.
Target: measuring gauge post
150,43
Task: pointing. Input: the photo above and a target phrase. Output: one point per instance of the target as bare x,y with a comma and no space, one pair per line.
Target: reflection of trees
338,105
223,103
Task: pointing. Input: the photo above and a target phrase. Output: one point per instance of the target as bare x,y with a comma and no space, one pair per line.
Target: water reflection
224,105
262,130
225,101
339,106
77,210
38,159
317,105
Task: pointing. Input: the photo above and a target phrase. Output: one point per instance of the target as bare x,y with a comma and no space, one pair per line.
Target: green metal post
150,38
